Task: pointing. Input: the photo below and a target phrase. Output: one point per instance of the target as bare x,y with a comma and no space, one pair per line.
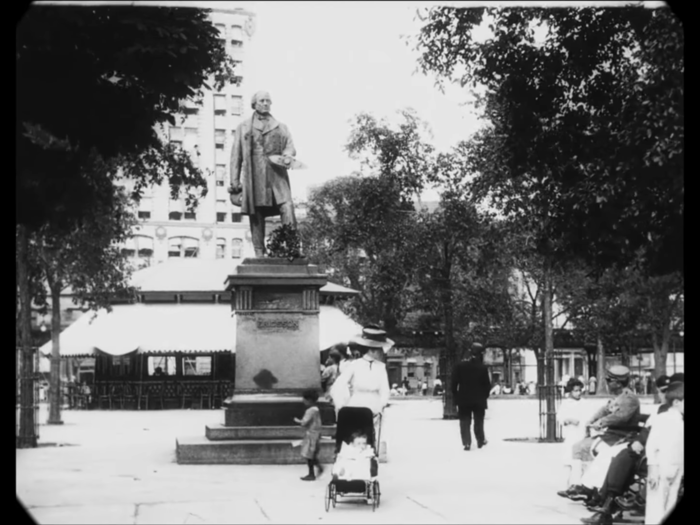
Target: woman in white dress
364,382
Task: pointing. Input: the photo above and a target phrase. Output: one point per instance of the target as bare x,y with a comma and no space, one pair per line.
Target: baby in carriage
354,461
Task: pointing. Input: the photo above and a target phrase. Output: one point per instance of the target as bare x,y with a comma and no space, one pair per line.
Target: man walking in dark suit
471,387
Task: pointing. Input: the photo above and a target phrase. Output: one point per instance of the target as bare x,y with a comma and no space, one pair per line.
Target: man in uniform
264,186
620,475
614,424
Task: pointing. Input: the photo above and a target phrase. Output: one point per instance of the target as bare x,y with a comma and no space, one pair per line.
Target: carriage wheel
375,495
329,496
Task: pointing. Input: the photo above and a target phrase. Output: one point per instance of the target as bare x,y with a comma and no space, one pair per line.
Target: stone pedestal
276,304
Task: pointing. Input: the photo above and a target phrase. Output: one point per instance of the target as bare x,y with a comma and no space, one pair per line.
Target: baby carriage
351,420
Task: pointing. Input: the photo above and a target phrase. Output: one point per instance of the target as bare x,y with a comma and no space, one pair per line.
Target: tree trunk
449,410
625,355
26,437
539,357
601,384
55,386
551,421
660,355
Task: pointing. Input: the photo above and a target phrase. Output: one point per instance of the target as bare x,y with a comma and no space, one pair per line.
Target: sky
325,62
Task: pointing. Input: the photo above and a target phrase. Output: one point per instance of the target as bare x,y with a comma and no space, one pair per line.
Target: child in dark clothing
312,423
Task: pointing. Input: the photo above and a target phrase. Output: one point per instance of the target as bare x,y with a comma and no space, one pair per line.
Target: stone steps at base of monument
222,432
201,451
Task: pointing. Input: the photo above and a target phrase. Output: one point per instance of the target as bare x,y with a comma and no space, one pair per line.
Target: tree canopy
585,111
99,80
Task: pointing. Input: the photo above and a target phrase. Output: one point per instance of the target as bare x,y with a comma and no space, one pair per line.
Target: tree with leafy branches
98,81
459,277
586,108
362,227
88,261
579,148
364,235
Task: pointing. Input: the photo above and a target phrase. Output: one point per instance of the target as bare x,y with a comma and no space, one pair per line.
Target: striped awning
187,328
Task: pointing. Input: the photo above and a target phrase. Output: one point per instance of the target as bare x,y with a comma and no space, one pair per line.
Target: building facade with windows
216,229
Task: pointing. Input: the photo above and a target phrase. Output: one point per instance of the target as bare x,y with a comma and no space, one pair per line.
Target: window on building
220,138
175,247
220,248
220,174
191,247
220,105
236,248
190,216
190,111
176,134
236,217
236,43
220,216
191,139
176,143
222,30
144,215
183,247
236,105
144,246
236,32
411,370
196,366
138,246
161,366
175,216
121,366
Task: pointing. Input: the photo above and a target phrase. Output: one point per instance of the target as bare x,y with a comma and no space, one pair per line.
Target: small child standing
664,450
312,423
572,416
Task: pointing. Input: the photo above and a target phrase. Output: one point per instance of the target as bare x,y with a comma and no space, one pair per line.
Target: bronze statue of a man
264,186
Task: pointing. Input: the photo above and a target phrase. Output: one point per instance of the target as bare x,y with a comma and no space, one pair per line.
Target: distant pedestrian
312,423
592,385
406,384
470,387
330,373
342,350
424,388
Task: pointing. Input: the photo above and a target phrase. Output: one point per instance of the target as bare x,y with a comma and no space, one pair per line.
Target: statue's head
261,102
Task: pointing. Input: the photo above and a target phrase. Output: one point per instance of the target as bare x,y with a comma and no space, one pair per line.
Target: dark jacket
644,433
264,184
471,384
619,417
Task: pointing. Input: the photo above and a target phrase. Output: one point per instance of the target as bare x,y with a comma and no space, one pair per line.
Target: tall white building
216,229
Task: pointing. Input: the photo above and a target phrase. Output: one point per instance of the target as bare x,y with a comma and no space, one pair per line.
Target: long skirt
661,499
310,444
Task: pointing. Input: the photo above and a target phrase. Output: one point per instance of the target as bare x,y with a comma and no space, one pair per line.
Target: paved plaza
119,467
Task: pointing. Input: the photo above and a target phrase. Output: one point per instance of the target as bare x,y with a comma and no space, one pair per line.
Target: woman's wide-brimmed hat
372,337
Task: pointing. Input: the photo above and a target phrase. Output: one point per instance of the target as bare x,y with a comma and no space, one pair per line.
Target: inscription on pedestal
277,325
277,300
